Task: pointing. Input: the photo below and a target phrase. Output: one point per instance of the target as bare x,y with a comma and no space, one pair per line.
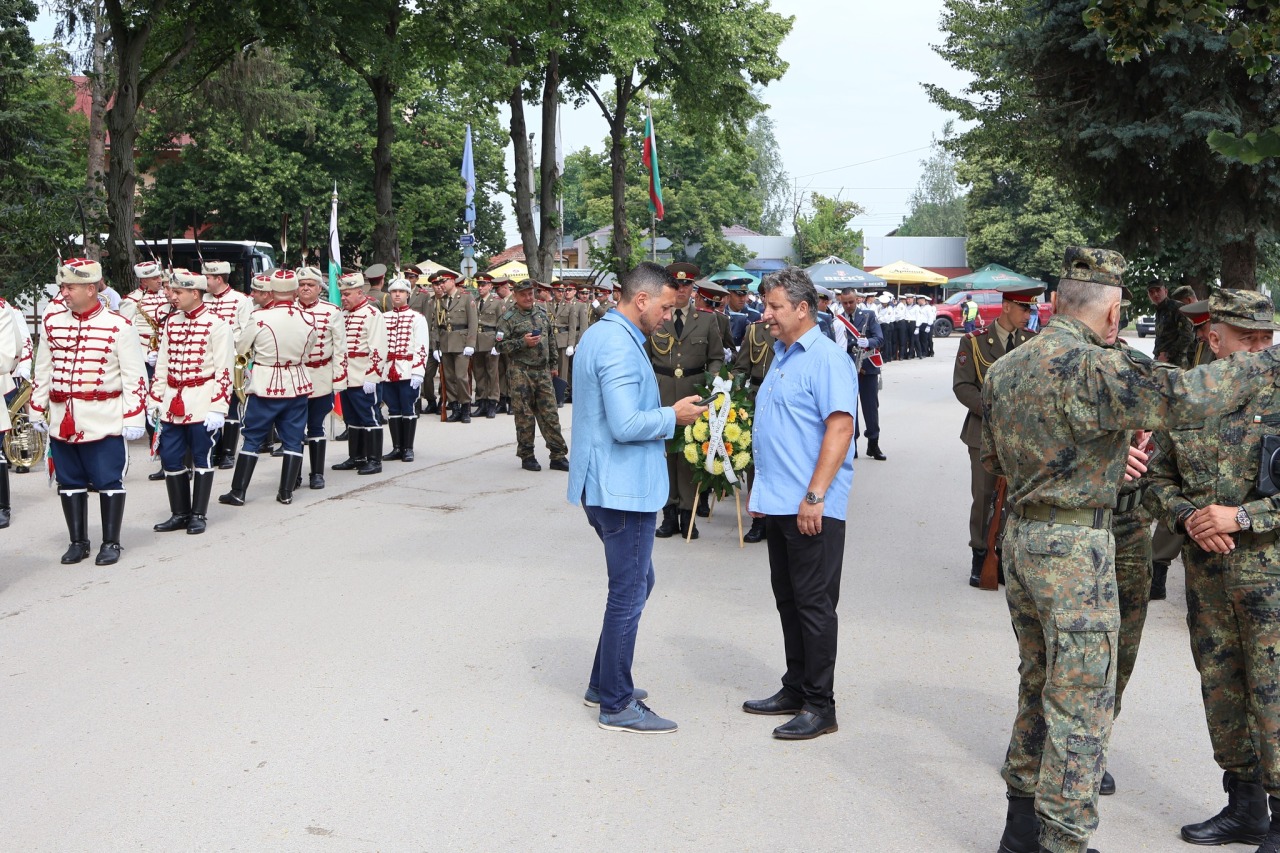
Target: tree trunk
97,149
549,235
122,176
524,184
386,242
1240,263
618,168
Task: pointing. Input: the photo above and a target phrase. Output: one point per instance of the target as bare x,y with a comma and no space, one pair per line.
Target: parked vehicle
1146,325
247,258
988,309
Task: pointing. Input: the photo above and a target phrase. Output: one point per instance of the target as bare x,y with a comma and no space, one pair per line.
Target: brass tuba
23,445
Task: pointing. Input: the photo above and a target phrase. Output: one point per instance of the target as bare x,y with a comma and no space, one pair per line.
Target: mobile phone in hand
706,401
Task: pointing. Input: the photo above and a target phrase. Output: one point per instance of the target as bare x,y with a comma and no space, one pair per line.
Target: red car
988,309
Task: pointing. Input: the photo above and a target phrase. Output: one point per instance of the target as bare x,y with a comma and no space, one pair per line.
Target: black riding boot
201,489
1243,821
245,463
355,451
227,450
175,482
975,573
373,452
408,432
1021,827
290,471
397,442
4,494
315,450
669,523
75,509
1159,576
112,519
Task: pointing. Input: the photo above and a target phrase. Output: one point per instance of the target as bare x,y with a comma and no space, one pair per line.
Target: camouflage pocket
1083,653
1083,768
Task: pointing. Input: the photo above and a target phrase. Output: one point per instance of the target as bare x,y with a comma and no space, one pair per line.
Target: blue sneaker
636,717
592,697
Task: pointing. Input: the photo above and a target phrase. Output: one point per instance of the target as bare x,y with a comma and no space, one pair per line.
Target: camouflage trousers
1233,613
1061,591
1132,532
533,399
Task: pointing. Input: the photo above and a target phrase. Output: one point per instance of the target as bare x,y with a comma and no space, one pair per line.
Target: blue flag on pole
469,175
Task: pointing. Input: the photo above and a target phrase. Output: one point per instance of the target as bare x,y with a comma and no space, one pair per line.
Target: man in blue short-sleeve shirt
803,443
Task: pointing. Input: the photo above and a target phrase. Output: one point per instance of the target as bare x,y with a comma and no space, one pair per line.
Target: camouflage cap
527,284
1098,265
1244,309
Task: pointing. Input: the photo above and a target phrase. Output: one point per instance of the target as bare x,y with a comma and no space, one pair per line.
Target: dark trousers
287,414
869,399
177,440
318,408
101,464
926,338
399,397
359,409
805,574
902,328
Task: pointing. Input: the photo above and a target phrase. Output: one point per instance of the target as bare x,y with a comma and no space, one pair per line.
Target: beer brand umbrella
990,277
837,273
901,272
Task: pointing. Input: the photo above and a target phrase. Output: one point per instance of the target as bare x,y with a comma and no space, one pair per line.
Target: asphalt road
396,664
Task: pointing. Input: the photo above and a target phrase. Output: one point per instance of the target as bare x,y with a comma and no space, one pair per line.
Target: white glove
369,388
863,343
436,354
493,351
248,379
595,303
133,433
468,351
415,382
151,358
37,423
23,371
728,354
214,421
568,351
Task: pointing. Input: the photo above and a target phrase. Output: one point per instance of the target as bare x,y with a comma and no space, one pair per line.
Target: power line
865,162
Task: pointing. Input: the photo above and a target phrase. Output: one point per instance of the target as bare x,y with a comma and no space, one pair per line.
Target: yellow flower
701,431
732,431
741,460
717,467
704,416
691,453
744,415
688,433
744,440
733,415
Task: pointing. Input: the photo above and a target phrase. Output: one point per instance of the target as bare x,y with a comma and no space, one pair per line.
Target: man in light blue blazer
618,474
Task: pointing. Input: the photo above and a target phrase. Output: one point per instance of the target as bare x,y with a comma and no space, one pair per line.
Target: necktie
1008,342
679,322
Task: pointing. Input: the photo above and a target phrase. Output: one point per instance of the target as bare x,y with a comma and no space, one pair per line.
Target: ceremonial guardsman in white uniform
234,307
146,308
279,340
90,387
192,392
13,344
327,365
406,366
366,334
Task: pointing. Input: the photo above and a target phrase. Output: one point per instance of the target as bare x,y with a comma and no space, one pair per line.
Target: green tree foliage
271,137
773,184
824,230
937,203
1128,140
43,169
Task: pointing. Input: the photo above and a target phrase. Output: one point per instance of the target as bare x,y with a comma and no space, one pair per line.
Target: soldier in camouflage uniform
1205,482
1059,416
531,364
1173,331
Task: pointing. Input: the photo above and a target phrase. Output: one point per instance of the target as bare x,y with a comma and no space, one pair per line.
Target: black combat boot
201,489
756,533
245,463
179,503
4,493
1243,821
290,472
669,523
975,573
1271,844
432,407
490,409
112,518
356,451
1159,575
1021,827
704,505
504,405
75,509
408,432
455,414
227,447
373,452
397,442
465,410
1107,785
873,449
686,516
316,451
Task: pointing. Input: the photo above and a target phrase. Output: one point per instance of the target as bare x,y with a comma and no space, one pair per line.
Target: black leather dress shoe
782,702
155,476
806,725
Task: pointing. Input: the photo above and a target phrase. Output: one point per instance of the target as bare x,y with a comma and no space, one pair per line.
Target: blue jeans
628,556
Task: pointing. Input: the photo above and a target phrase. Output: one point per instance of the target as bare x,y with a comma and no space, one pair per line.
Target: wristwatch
1243,519
811,498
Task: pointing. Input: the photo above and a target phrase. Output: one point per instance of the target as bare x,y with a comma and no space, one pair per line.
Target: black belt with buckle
679,372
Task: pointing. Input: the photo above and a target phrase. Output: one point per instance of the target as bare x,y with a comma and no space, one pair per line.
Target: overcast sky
851,116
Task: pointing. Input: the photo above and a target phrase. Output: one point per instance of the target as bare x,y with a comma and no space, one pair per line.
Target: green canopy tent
990,277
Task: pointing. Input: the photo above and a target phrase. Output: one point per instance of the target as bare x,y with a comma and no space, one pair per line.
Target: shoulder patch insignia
962,358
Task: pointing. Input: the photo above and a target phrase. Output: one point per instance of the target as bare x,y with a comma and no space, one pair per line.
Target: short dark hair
647,277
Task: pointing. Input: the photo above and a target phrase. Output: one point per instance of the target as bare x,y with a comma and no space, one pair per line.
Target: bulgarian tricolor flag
650,158
335,252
